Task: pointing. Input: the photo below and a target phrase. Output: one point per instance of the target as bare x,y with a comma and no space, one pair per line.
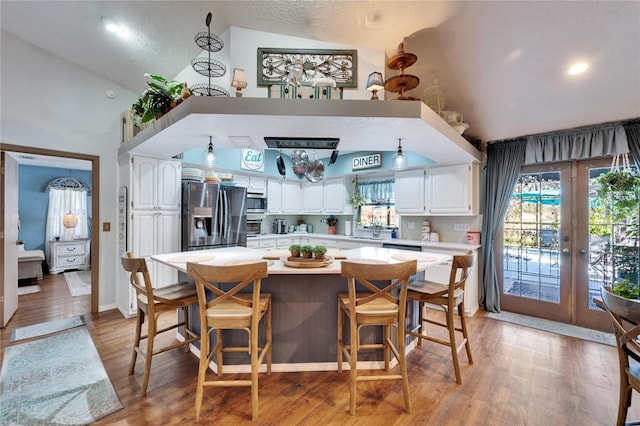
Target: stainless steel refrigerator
213,216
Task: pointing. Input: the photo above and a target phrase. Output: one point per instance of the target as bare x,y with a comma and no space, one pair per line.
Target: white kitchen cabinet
155,183
257,185
156,232
267,244
409,192
274,195
153,220
313,197
283,196
283,243
254,184
335,196
253,244
452,190
291,197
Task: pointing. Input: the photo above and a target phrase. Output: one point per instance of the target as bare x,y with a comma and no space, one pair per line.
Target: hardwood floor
521,376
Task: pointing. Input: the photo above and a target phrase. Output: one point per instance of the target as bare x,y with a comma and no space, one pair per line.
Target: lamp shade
375,81
239,79
70,220
399,160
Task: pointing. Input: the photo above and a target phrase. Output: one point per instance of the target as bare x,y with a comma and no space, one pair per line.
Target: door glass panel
531,263
613,238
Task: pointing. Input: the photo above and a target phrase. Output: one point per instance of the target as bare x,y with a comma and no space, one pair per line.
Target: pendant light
399,161
209,157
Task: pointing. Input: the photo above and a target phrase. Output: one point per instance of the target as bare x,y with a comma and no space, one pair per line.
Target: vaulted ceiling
501,64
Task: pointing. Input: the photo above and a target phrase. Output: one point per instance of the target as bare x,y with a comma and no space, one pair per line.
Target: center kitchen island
304,304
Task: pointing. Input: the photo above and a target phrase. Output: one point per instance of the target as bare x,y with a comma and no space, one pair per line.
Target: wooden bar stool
451,298
152,303
232,310
374,306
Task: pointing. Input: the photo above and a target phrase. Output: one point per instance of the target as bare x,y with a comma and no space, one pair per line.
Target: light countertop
436,246
231,255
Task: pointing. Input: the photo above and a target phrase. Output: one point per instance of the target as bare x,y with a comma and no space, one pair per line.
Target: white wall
49,103
241,51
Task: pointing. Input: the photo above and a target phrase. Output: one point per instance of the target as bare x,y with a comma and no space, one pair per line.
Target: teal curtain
504,161
378,191
633,139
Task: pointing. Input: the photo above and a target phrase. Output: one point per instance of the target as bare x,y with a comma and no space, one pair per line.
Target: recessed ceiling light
577,68
112,27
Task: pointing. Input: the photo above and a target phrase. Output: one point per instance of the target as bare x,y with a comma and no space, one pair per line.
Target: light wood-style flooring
521,376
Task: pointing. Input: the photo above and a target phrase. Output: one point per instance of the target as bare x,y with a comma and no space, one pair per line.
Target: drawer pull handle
73,259
71,249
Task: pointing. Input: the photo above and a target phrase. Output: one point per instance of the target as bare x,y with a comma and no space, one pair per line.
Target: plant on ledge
332,220
161,96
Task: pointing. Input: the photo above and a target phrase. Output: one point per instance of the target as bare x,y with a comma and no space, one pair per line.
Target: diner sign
369,161
252,159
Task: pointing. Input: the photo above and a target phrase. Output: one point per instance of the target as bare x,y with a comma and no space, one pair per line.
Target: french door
555,244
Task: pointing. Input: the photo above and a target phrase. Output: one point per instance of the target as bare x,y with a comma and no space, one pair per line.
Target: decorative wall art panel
307,67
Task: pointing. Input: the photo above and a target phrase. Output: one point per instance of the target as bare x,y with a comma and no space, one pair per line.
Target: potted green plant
319,252
356,199
161,96
294,249
306,250
332,221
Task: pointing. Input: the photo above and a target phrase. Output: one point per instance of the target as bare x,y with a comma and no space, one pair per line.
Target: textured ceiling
501,64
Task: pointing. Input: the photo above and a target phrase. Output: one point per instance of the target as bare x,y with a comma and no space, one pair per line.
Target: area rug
46,328
555,327
30,289
57,380
79,282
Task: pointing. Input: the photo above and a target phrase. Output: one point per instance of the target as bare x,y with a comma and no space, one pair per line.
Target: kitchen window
379,208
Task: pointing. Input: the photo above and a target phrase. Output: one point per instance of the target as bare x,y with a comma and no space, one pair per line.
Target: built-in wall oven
256,203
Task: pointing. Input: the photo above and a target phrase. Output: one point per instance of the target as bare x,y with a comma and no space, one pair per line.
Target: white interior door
9,233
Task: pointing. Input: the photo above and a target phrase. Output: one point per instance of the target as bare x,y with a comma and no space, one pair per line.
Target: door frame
95,207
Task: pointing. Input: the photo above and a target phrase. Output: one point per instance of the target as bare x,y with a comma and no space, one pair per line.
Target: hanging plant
356,200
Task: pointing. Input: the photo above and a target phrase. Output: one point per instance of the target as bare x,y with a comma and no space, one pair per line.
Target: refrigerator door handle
227,218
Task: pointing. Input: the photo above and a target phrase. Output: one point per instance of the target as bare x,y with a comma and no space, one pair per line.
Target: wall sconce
239,81
399,161
209,157
375,83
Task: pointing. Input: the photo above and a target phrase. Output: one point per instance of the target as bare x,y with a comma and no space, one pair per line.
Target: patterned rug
55,380
46,328
555,327
79,282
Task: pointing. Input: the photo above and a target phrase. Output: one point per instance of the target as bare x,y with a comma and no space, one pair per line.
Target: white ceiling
501,64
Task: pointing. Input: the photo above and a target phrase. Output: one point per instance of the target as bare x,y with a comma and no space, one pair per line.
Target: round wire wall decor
208,41
206,89
209,67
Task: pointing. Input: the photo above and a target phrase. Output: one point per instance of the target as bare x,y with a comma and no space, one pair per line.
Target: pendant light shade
70,220
209,156
399,160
